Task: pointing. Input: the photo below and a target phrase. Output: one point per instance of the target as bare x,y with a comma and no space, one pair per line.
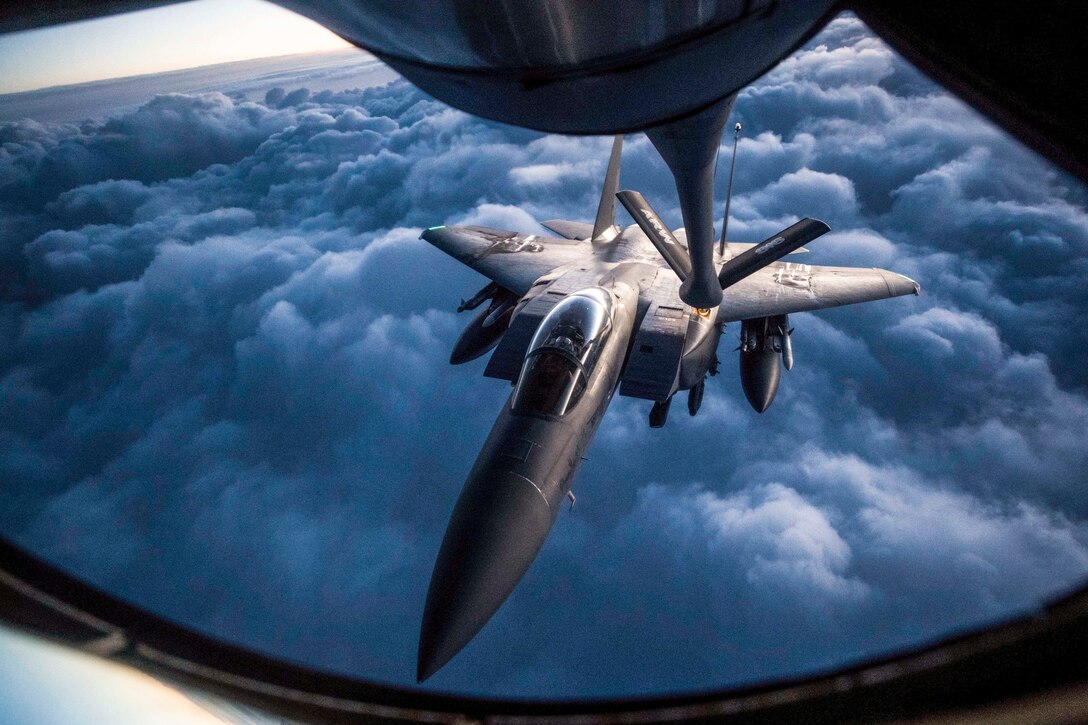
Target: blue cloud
223,388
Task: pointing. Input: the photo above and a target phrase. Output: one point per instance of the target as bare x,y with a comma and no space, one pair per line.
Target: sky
224,392
185,35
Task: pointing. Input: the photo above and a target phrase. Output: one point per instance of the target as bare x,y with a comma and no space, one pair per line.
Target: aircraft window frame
553,384
573,332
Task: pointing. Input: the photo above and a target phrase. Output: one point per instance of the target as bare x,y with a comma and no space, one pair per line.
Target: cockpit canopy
563,354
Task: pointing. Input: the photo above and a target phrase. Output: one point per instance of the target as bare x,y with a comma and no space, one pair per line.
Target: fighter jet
575,318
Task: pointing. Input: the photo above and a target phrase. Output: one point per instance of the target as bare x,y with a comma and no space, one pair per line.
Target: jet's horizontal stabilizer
786,241
659,234
569,229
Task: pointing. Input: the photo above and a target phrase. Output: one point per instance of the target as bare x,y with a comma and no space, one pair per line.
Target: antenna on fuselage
729,191
606,209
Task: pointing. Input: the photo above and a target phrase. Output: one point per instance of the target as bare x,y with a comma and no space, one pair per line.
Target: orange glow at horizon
175,37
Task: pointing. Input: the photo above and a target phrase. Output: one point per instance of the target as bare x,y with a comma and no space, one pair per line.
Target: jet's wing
784,287
513,260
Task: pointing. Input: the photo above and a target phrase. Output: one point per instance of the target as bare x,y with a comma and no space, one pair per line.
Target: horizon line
59,86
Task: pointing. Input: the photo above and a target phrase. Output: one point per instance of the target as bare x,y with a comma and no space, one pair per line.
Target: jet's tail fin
606,210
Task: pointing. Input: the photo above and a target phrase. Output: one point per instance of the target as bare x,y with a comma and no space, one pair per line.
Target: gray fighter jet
575,318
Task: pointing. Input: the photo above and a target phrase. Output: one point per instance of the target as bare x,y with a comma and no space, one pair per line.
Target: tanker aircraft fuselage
574,319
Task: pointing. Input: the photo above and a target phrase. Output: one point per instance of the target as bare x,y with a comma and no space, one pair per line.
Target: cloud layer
224,391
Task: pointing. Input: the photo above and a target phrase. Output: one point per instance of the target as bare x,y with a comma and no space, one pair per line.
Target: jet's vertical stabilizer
603,226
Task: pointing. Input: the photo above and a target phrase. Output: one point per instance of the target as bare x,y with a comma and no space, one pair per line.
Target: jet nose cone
497,527
431,661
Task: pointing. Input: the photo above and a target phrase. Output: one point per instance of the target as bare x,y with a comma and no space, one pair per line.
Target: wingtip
899,284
